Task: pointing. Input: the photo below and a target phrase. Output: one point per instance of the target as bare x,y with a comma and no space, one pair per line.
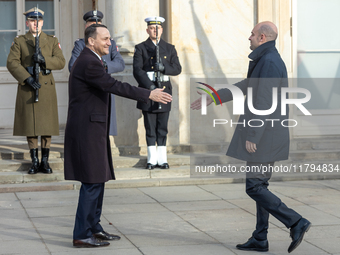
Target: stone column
125,20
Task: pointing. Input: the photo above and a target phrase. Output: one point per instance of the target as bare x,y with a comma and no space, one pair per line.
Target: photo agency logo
238,104
204,97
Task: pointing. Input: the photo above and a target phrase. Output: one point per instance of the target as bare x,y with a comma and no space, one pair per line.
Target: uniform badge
12,43
117,48
59,45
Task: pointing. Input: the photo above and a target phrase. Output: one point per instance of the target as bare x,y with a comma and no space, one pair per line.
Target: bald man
261,145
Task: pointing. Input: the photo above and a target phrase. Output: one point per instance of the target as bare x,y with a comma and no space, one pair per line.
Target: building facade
212,42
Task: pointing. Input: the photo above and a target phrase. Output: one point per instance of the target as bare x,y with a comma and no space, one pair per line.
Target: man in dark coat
144,67
262,145
113,60
33,119
87,145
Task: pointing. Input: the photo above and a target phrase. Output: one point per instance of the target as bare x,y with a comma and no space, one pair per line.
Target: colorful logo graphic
208,92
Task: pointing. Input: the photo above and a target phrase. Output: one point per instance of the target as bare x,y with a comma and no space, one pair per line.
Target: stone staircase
129,164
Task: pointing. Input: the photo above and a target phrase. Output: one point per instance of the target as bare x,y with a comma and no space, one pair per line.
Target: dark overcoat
115,64
35,118
87,145
144,60
266,71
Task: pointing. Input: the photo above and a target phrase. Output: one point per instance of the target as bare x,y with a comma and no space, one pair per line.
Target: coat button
45,82
151,67
151,57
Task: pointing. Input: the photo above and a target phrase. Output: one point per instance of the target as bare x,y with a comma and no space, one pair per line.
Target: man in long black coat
144,67
87,145
264,144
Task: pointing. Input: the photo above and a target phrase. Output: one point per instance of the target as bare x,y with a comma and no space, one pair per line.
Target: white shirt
97,55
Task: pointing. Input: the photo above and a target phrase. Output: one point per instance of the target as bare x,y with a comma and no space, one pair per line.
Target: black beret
93,16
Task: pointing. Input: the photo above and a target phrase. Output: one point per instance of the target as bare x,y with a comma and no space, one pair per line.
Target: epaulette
19,37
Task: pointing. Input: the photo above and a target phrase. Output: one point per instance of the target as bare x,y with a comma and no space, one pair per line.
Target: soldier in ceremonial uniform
145,65
113,61
33,119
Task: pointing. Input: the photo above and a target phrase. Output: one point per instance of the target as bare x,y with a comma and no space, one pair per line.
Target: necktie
104,64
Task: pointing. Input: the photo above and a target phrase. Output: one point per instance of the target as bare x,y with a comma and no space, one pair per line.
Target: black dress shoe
164,166
150,166
106,236
297,232
254,245
91,242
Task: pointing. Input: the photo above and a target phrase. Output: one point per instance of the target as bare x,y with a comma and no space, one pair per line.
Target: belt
30,70
162,78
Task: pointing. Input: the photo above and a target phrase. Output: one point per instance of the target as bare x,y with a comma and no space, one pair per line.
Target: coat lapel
162,45
42,40
149,45
30,39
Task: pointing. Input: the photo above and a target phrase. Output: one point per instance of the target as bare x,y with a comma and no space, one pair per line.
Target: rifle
158,73
95,15
36,64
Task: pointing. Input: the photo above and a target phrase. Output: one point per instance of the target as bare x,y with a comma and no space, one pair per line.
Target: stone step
5,155
140,161
12,177
49,182
119,162
285,170
15,165
302,145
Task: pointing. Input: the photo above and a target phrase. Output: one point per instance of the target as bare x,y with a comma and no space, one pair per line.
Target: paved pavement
196,219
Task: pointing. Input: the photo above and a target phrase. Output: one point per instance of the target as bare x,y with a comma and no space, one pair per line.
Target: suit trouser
266,201
156,127
89,210
33,142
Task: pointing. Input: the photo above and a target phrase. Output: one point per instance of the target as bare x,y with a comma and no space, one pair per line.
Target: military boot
44,166
35,162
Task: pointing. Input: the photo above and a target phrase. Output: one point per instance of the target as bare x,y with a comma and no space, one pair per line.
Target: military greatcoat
35,118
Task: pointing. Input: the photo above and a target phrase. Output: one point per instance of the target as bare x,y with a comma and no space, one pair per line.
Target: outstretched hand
197,105
158,95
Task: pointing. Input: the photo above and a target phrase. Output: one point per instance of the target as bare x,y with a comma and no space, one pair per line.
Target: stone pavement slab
176,194
200,249
193,219
198,205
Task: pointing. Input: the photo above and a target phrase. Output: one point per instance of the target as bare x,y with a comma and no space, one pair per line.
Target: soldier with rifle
153,61
32,57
